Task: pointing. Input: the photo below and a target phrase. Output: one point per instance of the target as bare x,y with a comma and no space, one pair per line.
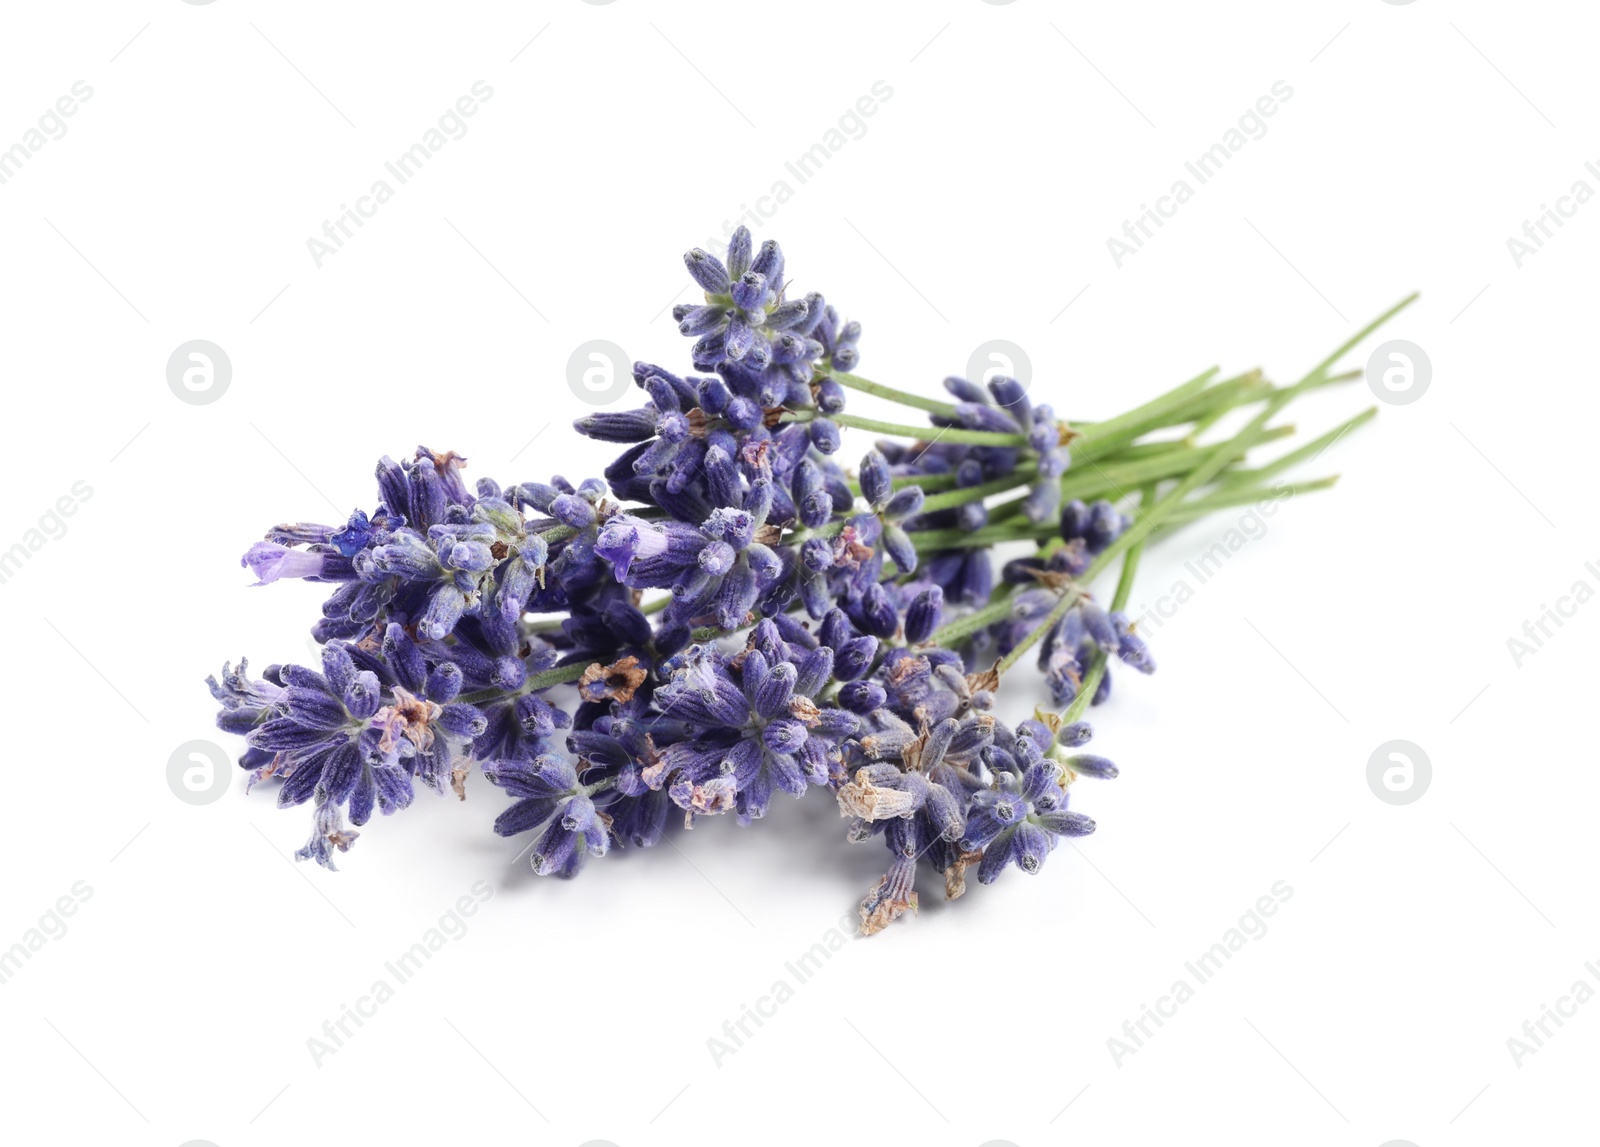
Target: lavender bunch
728,615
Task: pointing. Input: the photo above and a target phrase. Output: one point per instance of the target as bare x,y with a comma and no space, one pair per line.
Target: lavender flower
746,318
353,736
1086,629
720,617
1020,819
548,793
753,726
1005,409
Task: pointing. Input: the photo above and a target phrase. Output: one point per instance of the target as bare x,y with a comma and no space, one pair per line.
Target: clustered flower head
1086,628
1005,409
726,617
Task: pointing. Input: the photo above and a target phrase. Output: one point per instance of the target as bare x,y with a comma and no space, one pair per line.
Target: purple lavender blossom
718,620
354,736
1086,629
548,793
747,320
1005,409
757,729
1020,819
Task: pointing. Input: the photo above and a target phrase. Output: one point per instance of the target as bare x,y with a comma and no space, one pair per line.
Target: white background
976,206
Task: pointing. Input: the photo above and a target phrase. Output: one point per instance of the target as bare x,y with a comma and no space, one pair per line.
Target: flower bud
707,270
923,616
875,481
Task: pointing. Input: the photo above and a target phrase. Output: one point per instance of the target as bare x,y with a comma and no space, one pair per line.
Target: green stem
1227,498
1219,457
1351,342
1203,410
931,541
1095,480
965,494
1310,450
1130,565
1238,489
1087,688
930,483
1026,475
926,433
1210,404
905,398
1114,437
1156,407
558,676
1069,597
1147,521
1207,420
962,627
1139,451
